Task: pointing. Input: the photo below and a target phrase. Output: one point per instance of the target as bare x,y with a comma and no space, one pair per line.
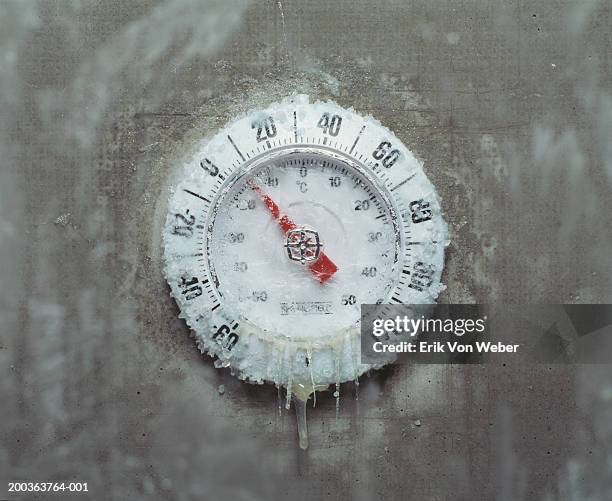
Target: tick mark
357,139
196,195
403,182
236,148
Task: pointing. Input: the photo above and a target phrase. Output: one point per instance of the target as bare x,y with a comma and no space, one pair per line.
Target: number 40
330,124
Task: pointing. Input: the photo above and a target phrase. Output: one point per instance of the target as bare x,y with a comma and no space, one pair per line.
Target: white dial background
281,295
330,169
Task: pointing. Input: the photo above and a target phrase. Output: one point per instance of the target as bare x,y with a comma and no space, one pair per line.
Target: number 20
266,125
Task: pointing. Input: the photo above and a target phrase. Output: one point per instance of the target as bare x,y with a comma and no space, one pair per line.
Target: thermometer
281,225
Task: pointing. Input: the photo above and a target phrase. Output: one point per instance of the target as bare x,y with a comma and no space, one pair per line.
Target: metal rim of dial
293,129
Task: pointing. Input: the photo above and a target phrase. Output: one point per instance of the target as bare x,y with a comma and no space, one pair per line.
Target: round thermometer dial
283,224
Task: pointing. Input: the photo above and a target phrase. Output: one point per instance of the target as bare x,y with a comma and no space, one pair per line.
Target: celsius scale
281,225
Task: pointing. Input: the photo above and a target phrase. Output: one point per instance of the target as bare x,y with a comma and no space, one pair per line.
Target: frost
300,353
62,220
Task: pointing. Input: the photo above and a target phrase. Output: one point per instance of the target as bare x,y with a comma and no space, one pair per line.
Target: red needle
323,268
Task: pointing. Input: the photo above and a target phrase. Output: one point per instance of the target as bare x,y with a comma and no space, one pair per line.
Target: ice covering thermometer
282,224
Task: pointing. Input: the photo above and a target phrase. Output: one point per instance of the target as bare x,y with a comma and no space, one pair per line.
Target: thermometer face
283,224
273,289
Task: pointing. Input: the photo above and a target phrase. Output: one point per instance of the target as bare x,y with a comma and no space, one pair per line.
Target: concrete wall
509,105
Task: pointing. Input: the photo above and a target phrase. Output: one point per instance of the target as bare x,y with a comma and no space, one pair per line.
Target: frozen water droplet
221,389
221,363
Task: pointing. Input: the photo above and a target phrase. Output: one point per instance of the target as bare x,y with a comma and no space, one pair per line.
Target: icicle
300,412
289,378
277,379
355,367
289,393
337,392
301,394
314,390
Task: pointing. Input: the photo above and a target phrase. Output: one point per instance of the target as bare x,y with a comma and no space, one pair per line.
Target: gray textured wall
507,102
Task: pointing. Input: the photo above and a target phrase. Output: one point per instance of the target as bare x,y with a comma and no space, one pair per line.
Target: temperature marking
236,148
403,182
357,139
196,195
